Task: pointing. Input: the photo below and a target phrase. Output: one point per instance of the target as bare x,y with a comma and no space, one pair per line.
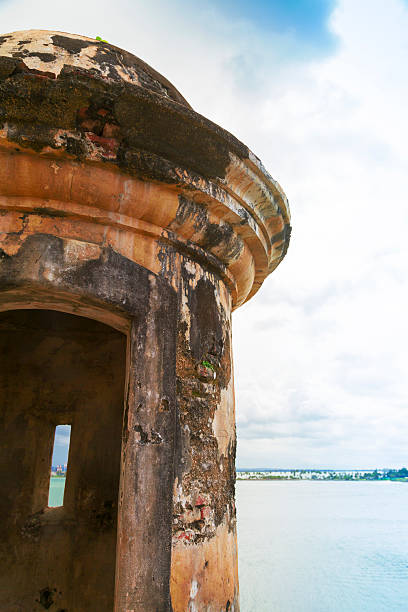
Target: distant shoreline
400,475
319,480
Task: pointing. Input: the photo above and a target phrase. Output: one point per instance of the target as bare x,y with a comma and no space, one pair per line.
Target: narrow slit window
59,465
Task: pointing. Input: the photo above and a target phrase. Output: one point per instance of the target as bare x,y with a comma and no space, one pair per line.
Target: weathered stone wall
111,288
204,556
204,527
57,368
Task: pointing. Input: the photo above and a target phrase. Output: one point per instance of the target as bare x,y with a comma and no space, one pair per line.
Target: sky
62,439
318,90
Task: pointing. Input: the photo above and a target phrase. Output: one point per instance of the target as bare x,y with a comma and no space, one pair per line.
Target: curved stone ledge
95,134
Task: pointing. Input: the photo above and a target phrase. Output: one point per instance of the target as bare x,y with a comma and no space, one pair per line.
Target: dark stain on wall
35,104
206,332
72,45
203,370
218,236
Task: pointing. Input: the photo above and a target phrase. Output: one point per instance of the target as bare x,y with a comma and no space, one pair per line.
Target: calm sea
56,494
319,546
323,546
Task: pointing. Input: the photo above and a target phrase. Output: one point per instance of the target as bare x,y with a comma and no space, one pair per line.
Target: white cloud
320,351
62,436
337,330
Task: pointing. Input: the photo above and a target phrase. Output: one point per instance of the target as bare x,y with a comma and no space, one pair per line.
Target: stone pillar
145,498
119,203
204,561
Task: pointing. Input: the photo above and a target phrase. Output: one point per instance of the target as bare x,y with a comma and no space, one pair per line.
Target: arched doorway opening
59,368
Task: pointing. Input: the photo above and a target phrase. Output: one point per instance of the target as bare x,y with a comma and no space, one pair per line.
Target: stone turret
130,228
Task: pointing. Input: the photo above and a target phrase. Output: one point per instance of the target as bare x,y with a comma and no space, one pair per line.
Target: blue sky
317,91
305,20
61,445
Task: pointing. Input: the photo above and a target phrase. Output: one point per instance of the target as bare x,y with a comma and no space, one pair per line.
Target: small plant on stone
207,364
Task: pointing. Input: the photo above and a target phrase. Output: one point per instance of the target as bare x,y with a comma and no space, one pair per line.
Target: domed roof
49,52
86,102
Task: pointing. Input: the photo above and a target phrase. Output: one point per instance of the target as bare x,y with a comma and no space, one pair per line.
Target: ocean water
56,492
318,546
323,546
